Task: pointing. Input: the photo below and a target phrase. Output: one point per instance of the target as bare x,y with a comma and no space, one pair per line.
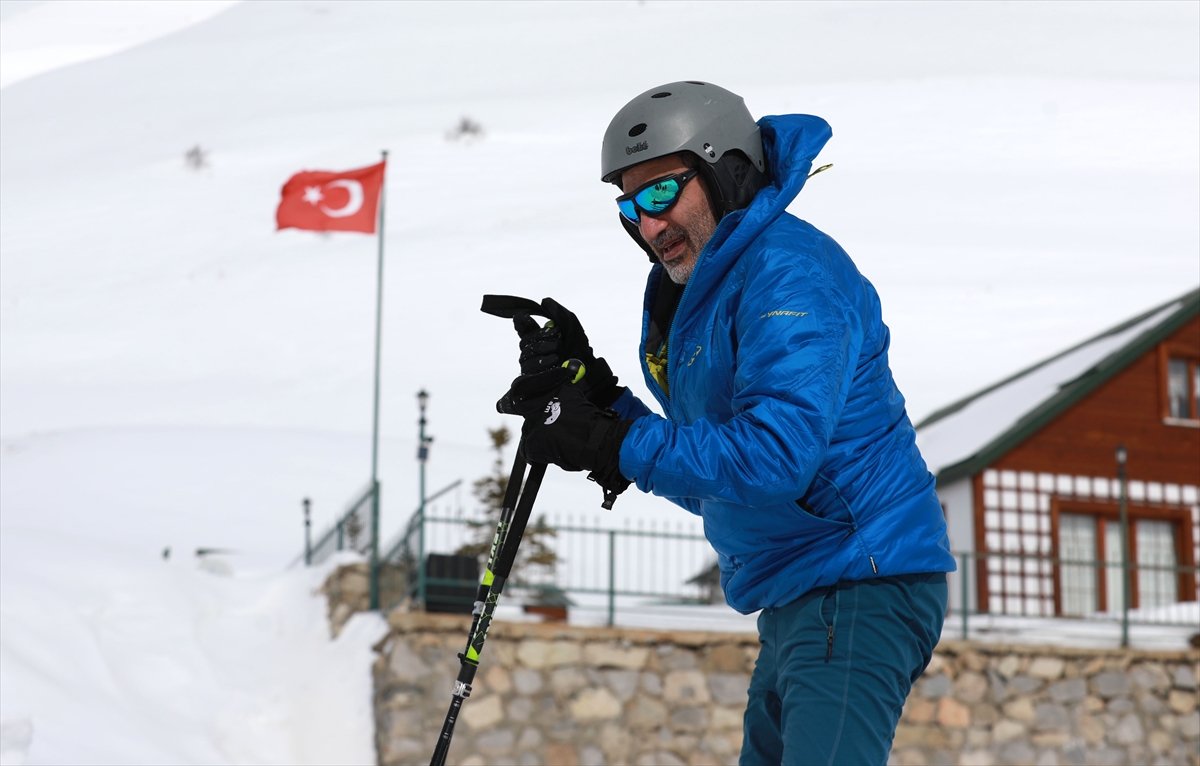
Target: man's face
677,236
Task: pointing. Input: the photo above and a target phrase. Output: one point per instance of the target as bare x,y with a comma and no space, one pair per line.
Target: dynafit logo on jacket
784,314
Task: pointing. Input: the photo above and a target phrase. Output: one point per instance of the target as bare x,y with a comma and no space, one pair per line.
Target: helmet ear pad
732,181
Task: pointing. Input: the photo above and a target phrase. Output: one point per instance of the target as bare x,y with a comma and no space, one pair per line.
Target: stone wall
983,703
549,694
347,590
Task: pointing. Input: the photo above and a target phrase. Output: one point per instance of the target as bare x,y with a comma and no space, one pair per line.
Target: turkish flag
319,200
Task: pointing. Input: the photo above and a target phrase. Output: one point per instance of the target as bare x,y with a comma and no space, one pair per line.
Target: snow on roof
968,427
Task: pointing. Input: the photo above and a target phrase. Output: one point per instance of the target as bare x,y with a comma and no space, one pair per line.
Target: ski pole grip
508,306
576,368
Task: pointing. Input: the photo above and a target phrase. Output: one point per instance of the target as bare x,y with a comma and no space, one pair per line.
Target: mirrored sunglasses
654,198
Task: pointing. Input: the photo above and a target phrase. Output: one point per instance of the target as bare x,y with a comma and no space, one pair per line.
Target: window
1089,552
1180,369
1085,590
1157,582
1114,587
1179,404
1077,542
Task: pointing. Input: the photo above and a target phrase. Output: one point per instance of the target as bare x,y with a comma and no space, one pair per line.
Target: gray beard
680,273
697,229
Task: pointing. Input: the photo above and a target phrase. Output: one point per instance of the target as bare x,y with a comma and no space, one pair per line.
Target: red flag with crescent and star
320,200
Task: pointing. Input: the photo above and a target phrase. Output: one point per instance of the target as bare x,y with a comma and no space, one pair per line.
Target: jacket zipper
679,306
853,521
829,629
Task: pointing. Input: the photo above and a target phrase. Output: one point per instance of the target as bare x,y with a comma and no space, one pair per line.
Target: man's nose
651,227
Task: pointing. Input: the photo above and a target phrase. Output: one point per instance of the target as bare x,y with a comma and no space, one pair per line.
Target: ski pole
504,553
462,686
519,497
512,493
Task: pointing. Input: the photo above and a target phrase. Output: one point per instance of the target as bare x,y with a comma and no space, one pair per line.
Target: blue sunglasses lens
628,209
654,199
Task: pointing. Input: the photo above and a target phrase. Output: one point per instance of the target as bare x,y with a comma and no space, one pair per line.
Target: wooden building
1027,473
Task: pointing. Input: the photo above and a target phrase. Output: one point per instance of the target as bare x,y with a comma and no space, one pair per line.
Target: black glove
564,428
563,338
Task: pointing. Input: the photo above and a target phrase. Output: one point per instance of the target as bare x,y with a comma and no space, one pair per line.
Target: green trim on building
1071,392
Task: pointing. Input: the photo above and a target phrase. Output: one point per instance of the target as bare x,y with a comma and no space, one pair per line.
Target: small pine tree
354,528
535,557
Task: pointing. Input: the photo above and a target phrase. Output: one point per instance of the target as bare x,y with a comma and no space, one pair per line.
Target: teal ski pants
835,668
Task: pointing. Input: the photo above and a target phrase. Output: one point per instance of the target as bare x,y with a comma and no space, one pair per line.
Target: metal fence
674,563
648,559
354,529
1015,585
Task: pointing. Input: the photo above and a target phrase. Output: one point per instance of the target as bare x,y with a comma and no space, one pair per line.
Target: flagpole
374,604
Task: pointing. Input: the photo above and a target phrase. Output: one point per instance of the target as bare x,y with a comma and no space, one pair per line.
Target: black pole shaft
512,494
518,505
508,554
443,744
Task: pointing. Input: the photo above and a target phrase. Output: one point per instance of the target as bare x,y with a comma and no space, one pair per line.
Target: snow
961,434
41,37
112,654
1100,631
173,372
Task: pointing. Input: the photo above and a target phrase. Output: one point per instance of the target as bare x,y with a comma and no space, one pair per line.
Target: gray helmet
709,125
688,116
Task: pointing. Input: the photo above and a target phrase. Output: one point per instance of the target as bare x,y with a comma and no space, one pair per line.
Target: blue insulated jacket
785,431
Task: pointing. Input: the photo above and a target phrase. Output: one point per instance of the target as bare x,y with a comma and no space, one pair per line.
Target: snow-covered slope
37,37
1007,180
111,655
174,372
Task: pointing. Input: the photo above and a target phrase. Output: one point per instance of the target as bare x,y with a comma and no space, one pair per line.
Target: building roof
970,434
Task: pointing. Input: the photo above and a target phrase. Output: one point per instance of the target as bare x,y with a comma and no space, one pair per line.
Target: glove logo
553,409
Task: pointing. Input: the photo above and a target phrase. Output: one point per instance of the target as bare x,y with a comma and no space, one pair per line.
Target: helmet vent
664,94
637,130
694,82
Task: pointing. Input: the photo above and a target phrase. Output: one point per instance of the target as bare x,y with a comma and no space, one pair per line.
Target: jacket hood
791,142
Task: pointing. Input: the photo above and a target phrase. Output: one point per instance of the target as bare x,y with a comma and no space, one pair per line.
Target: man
784,430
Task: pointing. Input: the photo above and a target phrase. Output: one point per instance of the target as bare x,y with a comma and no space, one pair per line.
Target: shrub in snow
466,130
195,158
